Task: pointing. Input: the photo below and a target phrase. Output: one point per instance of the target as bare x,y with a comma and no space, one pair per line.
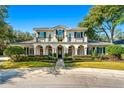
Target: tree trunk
112,34
109,40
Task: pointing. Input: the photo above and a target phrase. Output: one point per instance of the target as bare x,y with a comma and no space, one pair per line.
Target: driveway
65,78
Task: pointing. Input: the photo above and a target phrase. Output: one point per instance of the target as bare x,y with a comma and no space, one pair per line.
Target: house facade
61,40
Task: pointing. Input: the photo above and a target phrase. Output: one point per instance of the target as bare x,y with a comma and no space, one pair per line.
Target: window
60,34
42,34
78,34
31,51
69,37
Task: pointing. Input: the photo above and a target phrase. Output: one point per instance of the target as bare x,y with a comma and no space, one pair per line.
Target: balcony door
60,35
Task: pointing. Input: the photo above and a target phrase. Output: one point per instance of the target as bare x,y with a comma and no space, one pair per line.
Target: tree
5,29
119,34
14,52
104,18
115,51
22,36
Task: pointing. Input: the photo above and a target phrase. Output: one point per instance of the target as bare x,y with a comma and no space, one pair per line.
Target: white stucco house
61,40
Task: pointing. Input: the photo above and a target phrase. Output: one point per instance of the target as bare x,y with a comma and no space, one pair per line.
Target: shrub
43,58
94,54
115,52
14,52
82,58
54,54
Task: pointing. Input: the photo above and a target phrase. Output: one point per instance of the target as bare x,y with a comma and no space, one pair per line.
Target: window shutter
56,32
74,34
44,34
38,34
81,34
63,33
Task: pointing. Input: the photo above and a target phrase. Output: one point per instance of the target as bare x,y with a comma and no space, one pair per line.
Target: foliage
104,18
94,53
82,58
119,34
43,58
100,65
14,52
21,36
8,65
5,29
115,51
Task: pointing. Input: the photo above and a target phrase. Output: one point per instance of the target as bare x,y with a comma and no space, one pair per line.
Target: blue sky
27,17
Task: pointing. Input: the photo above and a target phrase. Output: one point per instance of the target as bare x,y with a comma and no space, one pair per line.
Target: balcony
72,39
54,39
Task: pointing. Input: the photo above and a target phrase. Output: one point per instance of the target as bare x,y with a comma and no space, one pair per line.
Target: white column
66,50
76,51
85,38
85,50
44,51
65,36
35,51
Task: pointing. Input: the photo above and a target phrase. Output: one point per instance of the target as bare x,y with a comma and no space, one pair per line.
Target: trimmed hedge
44,58
82,58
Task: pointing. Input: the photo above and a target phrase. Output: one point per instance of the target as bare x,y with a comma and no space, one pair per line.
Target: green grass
8,65
101,65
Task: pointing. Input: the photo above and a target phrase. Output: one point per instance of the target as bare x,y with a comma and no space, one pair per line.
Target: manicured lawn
102,65
8,65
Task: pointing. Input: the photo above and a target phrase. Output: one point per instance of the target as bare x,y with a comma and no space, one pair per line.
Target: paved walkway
59,64
76,77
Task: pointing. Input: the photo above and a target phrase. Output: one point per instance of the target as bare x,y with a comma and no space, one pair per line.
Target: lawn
101,65
8,65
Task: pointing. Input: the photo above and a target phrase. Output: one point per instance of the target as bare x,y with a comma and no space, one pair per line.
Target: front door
59,52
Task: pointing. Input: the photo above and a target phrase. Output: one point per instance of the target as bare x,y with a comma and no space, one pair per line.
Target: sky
27,17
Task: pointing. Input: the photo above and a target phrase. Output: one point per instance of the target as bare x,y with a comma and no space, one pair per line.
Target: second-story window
78,35
60,34
69,37
42,34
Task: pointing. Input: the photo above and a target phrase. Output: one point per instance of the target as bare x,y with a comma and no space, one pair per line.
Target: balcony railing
51,39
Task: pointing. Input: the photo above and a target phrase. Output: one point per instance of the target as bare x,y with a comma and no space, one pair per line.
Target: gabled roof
59,26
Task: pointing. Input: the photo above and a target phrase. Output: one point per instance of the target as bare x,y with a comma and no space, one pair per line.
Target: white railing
55,39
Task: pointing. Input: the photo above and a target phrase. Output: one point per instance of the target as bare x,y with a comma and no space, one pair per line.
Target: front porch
60,50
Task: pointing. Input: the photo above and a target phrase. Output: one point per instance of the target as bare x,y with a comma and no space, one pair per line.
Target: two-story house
61,40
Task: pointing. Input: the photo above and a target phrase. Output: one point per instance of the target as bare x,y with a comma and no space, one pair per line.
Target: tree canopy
103,18
7,33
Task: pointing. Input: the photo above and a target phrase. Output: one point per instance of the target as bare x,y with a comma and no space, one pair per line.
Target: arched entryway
39,50
80,50
48,50
60,51
71,50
